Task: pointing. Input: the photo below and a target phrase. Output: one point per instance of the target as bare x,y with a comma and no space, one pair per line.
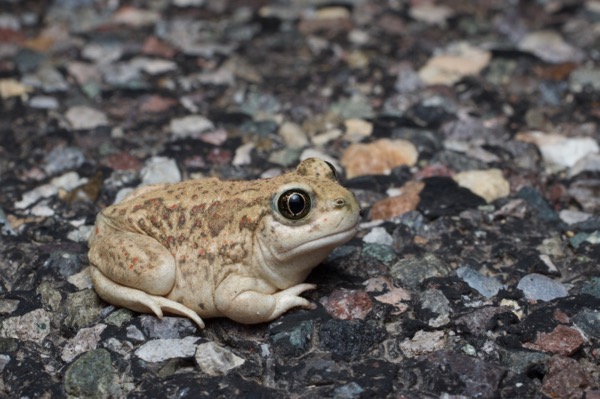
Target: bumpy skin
212,248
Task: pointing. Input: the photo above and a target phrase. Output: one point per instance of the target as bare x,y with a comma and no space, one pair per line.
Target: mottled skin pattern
214,248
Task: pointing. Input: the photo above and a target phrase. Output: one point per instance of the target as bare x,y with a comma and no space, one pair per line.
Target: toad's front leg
135,271
250,300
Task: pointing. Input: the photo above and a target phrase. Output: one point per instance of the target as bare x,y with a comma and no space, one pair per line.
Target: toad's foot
137,300
289,298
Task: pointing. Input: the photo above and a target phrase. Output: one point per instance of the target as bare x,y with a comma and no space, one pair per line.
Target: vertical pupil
296,203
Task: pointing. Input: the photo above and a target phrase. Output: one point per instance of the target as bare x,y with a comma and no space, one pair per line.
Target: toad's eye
332,169
294,204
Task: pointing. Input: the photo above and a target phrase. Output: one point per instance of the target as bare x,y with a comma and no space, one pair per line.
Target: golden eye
294,204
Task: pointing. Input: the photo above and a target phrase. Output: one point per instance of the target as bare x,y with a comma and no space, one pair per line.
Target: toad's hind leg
135,271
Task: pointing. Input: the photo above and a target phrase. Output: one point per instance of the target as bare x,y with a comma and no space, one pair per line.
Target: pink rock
562,341
346,304
394,206
155,104
385,292
123,161
378,157
566,379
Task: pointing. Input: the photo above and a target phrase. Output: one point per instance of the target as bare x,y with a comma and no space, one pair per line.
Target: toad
210,248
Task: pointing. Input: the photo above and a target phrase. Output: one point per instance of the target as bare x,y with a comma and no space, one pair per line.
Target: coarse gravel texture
467,130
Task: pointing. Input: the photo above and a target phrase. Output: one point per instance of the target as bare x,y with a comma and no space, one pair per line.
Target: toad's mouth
323,242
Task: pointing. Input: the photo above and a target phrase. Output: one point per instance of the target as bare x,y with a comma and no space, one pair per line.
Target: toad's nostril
340,202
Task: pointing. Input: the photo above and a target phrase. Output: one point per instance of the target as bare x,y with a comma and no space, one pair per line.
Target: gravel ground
468,132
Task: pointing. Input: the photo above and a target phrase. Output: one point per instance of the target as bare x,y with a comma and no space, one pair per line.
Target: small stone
243,154
346,304
167,327
379,235
92,376
411,272
442,196
43,102
294,339
349,338
587,194
405,201
560,150
160,350
541,288
430,13
458,61
348,391
160,170
33,326
480,321
357,129
293,135
436,302
566,378
488,184
572,217
81,309
61,159
383,290
424,342
486,285
378,157
13,88
549,46
191,126
81,117
86,339
215,360
584,77
48,79
7,306
588,321
135,17
31,197
592,287
539,204
561,341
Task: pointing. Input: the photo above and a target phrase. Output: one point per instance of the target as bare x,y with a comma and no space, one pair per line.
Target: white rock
160,170
85,340
541,288
571,217
30,197
68,181
42,209
379,235
215,360
560,150
81,234
243,154
489,184
33,326
589,163
190,126
550,47
293,135
164,349
83,118
457,61
156,67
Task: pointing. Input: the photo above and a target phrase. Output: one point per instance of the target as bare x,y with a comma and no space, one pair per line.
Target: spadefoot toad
211,248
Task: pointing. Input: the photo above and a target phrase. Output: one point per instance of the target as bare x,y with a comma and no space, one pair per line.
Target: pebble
60,159
293,135
348,391
584,77
541,288
215,360
167,327
424,342
565,378
13,88
384,291
292,339
33,326
560,150
357,129
572,217
349,339
243,154
346,304
135,17
356,106
8,306
86,340
480,321
591,287
562,341
588,321
489,184
5,226
92,376
407,200
30,197
549,46
486,285
435,301
159,350
411,272
457,61
442,196
191,126
378,157
589,163
538,204
160,170
81,309
585,193
378,235
430,13
81,117
44,102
